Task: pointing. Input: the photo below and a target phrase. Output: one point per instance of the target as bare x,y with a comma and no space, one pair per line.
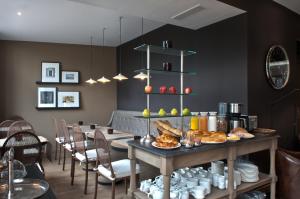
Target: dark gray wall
221,66
268,24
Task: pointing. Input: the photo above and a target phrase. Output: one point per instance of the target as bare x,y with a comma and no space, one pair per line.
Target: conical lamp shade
141,76
91,81
103,80
120,77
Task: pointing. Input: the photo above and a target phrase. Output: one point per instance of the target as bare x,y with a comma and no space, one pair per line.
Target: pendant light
141,75
91,81
120,77
103,79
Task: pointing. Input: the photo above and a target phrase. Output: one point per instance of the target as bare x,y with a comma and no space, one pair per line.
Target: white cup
192,182
215,180
198,192
217,167
221,182
207,185
145,186
156,194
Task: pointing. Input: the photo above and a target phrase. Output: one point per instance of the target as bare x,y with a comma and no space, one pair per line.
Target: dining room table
116,135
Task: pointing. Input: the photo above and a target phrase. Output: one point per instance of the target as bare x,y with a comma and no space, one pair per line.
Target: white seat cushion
68,146
121,169
60,140
91,155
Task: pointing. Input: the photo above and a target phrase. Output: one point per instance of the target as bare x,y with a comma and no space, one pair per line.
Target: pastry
233,137
167,126
214,137
166,141
241,132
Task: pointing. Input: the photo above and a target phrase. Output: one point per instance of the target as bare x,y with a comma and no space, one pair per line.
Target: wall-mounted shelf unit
55,83
164,51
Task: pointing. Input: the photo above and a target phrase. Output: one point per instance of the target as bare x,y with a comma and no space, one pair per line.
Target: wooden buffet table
169,160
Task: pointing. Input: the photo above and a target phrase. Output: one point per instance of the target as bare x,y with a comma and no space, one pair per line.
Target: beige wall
20,68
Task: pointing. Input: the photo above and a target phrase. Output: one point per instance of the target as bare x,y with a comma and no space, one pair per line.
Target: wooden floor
60,182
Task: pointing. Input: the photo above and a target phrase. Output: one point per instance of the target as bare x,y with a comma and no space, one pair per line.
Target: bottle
203,120
212,121
194,123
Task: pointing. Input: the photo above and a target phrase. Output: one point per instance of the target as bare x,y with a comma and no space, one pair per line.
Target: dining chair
16,118
288,172
82,154
5,124
19,126
68,140
27,148
59,139
111,170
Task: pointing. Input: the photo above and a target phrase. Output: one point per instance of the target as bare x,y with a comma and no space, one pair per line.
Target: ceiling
74,21
293,5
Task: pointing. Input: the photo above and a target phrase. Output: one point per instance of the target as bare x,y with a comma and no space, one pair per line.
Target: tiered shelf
164,72
176,94
164,51
264,179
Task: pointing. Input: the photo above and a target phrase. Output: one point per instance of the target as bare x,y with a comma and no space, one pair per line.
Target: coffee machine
235,119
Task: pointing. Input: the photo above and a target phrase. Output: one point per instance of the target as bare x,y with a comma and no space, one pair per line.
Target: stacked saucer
249,172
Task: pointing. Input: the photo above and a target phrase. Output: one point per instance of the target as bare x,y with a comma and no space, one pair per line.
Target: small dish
166,148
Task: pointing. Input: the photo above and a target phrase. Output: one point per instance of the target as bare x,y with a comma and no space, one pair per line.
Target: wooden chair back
58,131
5,124
103,152
19,126
27,147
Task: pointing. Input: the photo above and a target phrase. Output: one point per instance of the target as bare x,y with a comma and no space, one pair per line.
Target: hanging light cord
120,53
142,37
91,60
103,42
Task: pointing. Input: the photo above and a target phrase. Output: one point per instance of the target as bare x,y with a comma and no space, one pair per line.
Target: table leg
272,168
230,162
166,179
132,186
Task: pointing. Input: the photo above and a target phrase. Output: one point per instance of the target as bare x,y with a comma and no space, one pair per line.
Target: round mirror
278,67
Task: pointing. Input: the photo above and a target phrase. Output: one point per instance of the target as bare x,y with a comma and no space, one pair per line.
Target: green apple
162,112
174,112
146,113
186,112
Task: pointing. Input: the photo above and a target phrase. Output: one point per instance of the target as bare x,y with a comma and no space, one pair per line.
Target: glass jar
212,121
222,123
203,120
194,125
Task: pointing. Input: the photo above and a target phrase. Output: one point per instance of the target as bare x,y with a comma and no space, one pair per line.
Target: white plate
166,148
213,142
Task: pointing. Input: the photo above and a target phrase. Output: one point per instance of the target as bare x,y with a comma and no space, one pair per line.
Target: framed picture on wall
46,97
70,77
67,99
50,72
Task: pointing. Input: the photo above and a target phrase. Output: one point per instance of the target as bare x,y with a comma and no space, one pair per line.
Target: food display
188,90
164,127
233,138
163,89
241,132
214,138
146,113
186,112
172,90
174,112
148,89
166,141
162,112
208,137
